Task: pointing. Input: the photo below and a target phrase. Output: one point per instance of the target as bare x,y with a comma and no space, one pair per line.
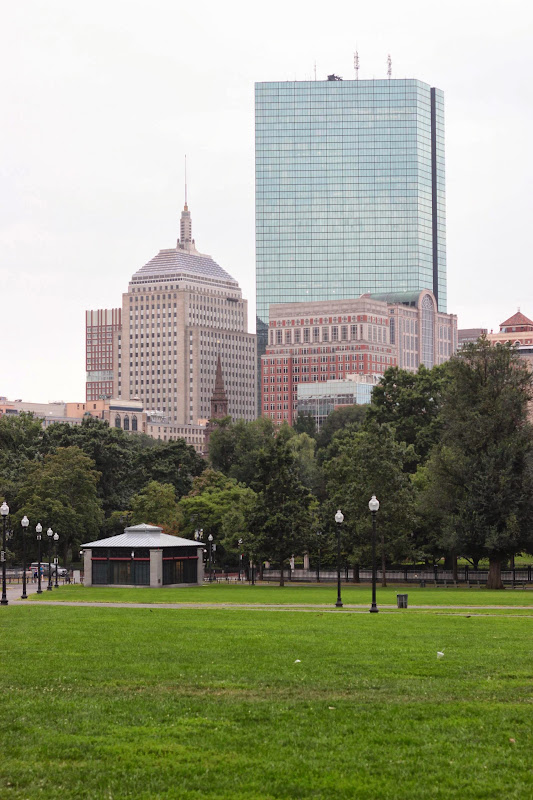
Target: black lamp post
319,537
4,511
56,539
49,533
39,530
24,522
240,558
198,535
374,508
210,541
339,519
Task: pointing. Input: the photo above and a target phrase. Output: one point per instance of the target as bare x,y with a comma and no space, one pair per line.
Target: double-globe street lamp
339,519
374,508
4,511
49,533
39,530
24,522
56,560
210,541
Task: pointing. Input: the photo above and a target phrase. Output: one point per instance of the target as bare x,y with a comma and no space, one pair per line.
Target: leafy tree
481,476
61,493
370,462
305,423
235,449
112,451
20,443
303,447
340,419
174,462
410,402
218,505
283,518
155,504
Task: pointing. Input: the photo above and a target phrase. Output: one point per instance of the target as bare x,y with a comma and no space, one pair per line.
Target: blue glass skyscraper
350,193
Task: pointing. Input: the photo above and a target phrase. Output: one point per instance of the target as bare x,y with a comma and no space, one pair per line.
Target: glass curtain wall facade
350,194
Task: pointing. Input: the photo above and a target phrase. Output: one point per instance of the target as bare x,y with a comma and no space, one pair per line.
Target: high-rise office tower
181,313
101,329
349,191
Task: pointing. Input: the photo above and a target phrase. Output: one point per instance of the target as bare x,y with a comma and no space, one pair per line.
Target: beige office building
180,312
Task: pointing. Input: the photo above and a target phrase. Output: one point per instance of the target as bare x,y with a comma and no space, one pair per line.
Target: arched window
126,423
117,421
134,423
428,332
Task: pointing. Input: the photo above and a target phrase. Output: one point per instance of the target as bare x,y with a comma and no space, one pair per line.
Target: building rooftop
143,536
175,262
518,320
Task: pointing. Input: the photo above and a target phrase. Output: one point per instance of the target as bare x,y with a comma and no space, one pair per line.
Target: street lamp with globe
339,519
374,508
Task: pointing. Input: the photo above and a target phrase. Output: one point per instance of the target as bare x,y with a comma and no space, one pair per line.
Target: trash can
401,600
422,584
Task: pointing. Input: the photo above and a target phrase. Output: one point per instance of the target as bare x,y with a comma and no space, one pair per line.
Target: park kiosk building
143,556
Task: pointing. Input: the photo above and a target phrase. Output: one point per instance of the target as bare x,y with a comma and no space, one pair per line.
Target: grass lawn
161,703
291,594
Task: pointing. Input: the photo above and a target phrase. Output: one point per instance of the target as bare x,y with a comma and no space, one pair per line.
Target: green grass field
196,703
291,594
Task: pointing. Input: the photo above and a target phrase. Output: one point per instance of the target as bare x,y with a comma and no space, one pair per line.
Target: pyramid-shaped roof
143,536
172,263
518,320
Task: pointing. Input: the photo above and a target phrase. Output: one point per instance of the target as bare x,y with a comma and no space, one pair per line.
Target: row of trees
89,480
448,452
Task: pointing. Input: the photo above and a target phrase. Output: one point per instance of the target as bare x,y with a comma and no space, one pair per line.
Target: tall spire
185,183
186,242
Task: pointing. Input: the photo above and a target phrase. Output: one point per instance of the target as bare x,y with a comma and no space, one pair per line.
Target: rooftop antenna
185,180
389,66
315,70
356,64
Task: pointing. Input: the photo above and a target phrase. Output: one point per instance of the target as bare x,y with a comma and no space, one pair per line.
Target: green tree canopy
283,519
235,449
372,461
20,443
61,492
411,402
218,505
155,504
480,480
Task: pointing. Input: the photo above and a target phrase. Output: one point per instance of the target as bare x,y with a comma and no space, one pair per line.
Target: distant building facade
468,335
101,330
518,331
180,313
421,333
128,415
318,400
329,341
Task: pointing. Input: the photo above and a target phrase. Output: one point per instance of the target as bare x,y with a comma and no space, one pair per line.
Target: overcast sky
100,101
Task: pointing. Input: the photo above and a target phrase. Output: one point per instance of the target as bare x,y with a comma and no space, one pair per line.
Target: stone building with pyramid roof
182,314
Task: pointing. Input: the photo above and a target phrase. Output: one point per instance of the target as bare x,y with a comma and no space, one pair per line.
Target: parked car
62,572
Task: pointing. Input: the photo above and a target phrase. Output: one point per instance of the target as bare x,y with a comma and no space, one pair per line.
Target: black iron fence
414,575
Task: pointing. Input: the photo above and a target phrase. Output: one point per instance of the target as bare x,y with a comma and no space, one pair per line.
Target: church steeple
219,398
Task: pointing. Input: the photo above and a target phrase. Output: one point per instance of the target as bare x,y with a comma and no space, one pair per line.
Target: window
126,423
117,421
134,423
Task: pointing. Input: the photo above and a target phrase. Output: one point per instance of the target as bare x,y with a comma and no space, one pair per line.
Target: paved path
309,607
14,592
